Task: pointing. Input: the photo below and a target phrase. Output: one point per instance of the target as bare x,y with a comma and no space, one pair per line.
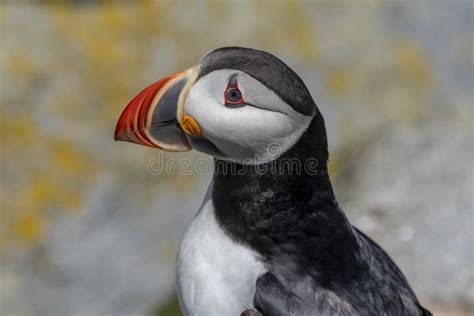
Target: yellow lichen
339,81
29,227
411,62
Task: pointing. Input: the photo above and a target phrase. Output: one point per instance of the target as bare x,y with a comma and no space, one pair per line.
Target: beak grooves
132,123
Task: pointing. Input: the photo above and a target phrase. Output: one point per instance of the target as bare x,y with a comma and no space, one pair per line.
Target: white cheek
246,132
254,125
243,132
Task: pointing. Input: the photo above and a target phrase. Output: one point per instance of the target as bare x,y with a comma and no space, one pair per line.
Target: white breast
215,275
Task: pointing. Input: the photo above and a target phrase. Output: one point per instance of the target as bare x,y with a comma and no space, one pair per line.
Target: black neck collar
295,212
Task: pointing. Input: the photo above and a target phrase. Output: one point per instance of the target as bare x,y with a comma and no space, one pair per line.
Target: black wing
274,298
381,290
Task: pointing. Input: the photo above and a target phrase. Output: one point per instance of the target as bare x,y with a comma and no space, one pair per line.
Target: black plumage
264,67
318,263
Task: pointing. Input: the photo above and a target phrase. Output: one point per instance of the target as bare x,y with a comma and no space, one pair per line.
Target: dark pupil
233,95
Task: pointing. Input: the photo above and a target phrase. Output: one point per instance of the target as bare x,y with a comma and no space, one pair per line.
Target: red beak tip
119,135
135,119
123,137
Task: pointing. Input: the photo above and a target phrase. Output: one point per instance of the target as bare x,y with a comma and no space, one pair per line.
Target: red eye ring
232,95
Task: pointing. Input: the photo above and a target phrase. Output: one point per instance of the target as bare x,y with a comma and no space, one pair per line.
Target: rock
411,190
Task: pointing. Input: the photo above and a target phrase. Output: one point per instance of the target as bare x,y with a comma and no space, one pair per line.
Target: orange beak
153,117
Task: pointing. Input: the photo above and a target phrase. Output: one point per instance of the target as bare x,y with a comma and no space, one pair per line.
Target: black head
266,68
239,104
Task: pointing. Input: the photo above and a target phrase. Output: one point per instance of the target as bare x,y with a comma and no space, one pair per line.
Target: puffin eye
232,93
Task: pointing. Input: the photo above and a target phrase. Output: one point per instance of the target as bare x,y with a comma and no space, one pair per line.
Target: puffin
270,237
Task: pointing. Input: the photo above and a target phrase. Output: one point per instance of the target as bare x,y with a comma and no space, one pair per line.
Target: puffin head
234,104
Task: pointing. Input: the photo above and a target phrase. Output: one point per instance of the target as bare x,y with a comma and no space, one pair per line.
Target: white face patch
259,131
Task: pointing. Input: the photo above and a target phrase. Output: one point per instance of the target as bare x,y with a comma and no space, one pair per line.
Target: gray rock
411,190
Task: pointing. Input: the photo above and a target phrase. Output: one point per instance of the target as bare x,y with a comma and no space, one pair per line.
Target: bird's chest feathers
215,275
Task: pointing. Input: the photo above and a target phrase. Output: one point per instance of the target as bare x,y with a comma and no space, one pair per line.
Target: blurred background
87,229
